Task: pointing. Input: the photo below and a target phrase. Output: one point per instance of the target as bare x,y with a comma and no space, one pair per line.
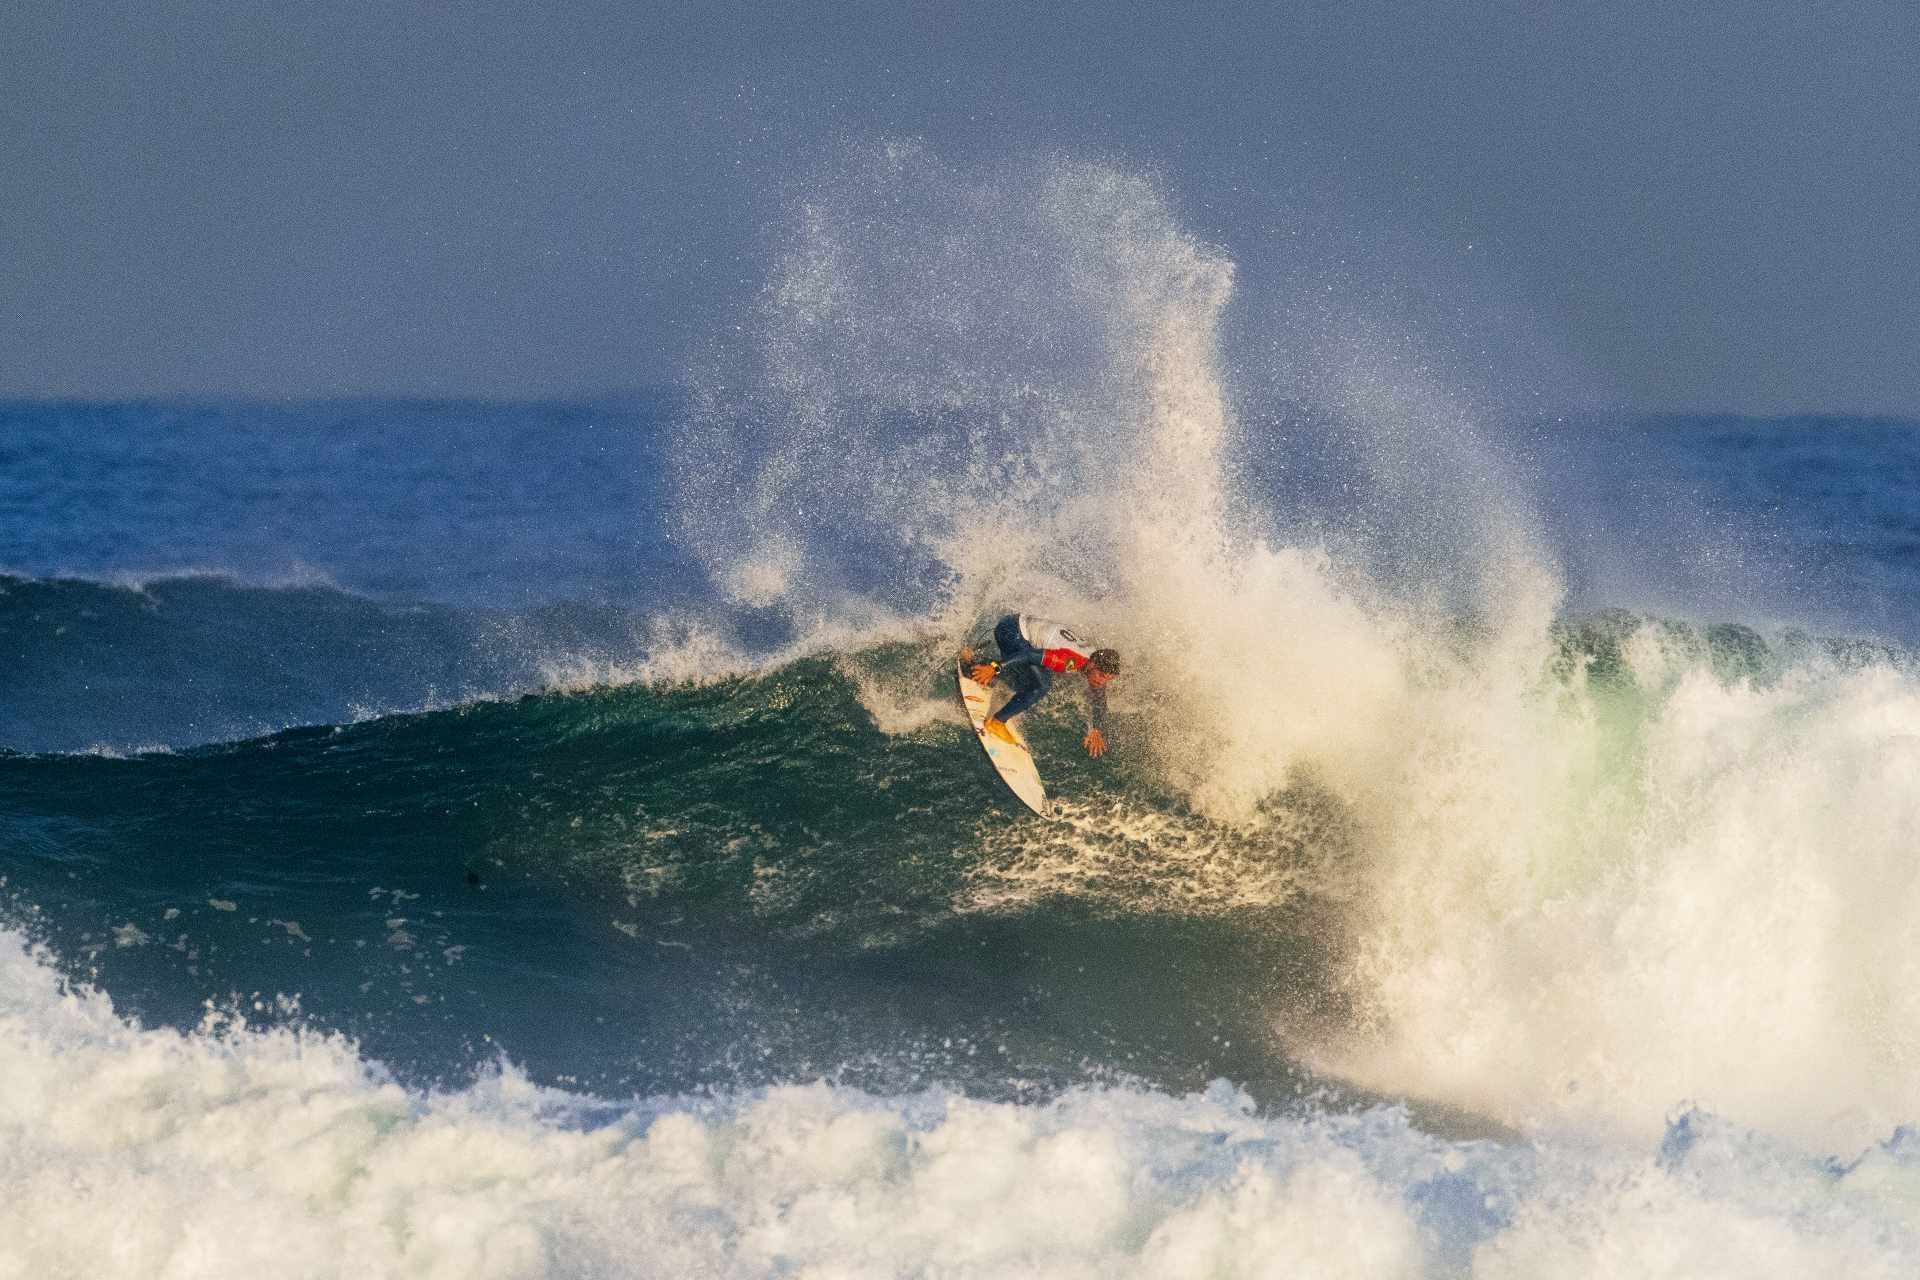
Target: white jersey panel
1045,634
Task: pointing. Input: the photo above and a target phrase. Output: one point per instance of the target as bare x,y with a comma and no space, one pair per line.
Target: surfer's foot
966,656
998,728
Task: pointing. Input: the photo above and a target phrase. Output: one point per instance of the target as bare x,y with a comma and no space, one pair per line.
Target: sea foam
235,1151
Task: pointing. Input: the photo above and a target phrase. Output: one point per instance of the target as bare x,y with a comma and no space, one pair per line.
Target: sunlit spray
1565,898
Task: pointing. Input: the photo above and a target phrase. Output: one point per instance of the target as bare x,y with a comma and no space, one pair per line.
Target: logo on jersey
1061,649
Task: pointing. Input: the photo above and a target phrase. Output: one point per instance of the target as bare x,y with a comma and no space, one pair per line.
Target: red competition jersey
1060,648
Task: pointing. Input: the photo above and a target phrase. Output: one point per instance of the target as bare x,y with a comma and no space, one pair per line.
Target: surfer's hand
1096,743
984,673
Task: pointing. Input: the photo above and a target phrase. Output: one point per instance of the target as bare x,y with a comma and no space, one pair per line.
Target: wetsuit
1032,650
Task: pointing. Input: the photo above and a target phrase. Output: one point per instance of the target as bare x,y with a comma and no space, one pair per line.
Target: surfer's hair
1107,660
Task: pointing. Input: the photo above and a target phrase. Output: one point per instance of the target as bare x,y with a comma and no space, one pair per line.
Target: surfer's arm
1029,691
1020,662
1097,709
988,672
1096,739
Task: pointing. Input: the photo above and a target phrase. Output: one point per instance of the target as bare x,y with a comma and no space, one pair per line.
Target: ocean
522,839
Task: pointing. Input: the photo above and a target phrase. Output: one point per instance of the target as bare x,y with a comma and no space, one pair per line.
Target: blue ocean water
541,839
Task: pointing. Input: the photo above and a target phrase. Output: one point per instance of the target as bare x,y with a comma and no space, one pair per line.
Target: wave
233,1149
808,881
189,659
863,737
1526,889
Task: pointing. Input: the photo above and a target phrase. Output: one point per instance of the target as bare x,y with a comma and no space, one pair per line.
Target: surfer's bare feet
998,728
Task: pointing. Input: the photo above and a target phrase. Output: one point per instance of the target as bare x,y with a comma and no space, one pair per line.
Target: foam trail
238,1152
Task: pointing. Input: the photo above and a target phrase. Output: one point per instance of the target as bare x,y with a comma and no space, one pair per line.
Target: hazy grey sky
1704,206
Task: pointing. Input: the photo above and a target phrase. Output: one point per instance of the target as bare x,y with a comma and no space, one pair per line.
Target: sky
1707,207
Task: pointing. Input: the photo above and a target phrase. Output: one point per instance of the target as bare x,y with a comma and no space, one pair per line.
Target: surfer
1032,651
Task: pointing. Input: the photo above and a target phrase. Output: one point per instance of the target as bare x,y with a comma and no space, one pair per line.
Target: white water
1568,905
1716,903
234,1152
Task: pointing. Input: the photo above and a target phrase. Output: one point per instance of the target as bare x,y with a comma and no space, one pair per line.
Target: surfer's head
1102,666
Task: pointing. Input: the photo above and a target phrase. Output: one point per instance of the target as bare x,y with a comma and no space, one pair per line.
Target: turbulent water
500,840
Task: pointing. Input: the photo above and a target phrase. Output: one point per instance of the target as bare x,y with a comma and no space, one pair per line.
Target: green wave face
658,888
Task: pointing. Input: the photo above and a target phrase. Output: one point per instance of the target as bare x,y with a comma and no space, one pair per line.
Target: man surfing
1032,651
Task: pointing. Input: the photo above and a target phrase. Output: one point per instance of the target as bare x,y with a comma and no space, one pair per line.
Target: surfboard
1011,760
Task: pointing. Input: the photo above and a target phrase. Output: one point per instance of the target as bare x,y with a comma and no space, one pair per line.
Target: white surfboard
1012,760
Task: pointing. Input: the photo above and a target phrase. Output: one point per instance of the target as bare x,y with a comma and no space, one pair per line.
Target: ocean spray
1563,902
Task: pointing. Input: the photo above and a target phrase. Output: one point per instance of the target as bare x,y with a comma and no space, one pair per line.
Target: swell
179,661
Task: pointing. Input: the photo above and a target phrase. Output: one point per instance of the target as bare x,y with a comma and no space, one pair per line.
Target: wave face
738,881
550,832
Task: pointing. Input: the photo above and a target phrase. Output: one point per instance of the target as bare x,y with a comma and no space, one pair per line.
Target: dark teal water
636,889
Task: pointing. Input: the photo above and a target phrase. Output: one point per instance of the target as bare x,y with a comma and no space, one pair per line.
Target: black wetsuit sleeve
1020,661
1097,708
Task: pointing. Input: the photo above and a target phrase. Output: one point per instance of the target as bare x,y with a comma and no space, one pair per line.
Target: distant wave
181,660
